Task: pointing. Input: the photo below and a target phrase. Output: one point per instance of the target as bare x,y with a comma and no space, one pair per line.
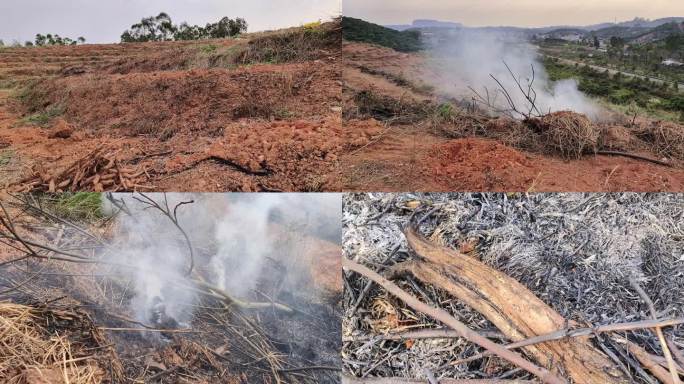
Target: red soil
421,157
234,128
485,165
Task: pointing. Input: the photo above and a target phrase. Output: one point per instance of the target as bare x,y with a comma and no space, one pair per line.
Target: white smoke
242,238
233,236
469,58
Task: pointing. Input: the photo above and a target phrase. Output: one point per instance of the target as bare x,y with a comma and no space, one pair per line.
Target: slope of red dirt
485,156
182,112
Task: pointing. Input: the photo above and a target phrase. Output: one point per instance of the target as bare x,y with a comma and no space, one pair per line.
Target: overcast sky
101,21
524,13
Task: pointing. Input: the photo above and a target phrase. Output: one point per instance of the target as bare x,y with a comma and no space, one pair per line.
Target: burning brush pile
171,288
583,288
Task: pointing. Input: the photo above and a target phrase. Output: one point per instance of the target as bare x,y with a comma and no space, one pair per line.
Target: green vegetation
82,206
208,48
6,157
620,89
161,28
50,39
293,44
641,53
446,112
45,117
363,31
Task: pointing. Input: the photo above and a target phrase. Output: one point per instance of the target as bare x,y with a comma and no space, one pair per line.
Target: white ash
574,251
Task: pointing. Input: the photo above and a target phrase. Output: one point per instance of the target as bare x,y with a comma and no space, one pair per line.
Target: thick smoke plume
467,59
234,237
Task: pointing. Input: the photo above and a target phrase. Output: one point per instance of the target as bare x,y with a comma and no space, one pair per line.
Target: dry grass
292,45
30,353
570,134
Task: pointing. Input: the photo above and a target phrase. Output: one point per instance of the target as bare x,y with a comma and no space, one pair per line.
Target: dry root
96,172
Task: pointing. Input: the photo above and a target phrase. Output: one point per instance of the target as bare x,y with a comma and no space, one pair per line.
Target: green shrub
363,31
621,96
45,117
83,206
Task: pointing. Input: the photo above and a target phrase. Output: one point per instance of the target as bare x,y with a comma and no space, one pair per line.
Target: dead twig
658,331
579,332
443,316
173,216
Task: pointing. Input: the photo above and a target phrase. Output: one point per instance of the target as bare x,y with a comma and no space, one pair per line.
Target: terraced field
257,113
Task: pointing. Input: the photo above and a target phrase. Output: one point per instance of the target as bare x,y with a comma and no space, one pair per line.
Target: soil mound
480,164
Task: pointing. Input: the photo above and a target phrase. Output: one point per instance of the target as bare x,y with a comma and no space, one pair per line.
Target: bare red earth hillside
421,150
261,112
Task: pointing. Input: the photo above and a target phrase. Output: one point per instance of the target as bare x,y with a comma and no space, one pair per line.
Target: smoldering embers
232,236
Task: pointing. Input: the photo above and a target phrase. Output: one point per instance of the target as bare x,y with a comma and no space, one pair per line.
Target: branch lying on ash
395,380
446,318
659,332
545,335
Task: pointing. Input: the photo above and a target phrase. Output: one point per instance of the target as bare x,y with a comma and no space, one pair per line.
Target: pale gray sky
524,13
101,21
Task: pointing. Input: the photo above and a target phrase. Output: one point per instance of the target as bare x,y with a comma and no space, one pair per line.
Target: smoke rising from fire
469,58
235,237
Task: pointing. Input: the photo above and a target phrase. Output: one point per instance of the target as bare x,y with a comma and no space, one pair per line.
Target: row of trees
48,40
161,28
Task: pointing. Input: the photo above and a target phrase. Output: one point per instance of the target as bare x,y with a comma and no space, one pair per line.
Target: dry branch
511,307
395,380
580,332
658,331
444,317
97,171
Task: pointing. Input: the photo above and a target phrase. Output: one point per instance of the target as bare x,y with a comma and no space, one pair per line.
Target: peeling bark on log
511,307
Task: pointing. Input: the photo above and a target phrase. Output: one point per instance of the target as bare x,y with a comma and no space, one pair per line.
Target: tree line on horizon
48,40
162,28
154,28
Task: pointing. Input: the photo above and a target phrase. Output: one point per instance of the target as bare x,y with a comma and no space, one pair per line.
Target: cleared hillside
256,113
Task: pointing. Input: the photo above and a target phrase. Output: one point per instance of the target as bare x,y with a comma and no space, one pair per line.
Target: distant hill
660,32
363,31
638,34
425,23
636,23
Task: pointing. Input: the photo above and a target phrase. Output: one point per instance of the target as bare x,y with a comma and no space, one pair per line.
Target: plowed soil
422,157
187,113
